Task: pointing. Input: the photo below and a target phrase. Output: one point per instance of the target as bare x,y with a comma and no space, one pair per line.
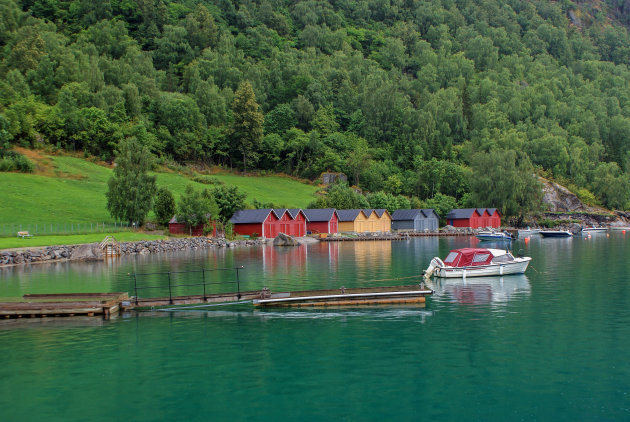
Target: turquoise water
549,345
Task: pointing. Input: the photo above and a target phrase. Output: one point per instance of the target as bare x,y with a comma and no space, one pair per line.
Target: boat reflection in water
481,290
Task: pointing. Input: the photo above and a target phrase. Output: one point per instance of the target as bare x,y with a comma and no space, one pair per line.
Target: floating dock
66,304
348,297
107,304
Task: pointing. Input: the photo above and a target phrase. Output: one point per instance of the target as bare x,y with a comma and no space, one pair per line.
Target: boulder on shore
284,240
87,252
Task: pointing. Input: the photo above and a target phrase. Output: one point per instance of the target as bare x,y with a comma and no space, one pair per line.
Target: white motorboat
595,229
622,228
493,235
476,262
528,232
555,233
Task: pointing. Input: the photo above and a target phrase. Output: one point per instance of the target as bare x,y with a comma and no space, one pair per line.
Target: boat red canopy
467,257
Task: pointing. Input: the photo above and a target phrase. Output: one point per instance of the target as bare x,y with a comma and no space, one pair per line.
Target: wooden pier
66,304
390,295
107,304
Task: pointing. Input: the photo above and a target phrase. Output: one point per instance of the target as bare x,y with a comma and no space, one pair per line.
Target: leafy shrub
587,197
6,164
14,161
208,228
550,224
207,180
229,231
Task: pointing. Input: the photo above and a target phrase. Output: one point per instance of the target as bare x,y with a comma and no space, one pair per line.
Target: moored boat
556,233
595,229
475,262
528,232
493,235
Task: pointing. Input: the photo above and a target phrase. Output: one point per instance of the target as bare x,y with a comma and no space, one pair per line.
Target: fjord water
552,344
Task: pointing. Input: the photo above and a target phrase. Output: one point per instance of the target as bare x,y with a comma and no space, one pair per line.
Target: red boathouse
474,218
269,222
322,220
261,223
292,221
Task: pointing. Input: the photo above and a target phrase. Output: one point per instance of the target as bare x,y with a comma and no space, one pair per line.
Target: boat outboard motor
435,263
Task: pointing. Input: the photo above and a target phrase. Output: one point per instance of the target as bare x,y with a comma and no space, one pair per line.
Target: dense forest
455,101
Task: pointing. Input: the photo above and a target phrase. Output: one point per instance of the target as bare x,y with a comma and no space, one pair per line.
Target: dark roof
348,215
430,211
461,213
380,212
400,215
251,216
491,211
293,212
367,212
324,214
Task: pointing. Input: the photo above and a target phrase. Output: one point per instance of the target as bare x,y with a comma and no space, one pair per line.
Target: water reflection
481,290
372,312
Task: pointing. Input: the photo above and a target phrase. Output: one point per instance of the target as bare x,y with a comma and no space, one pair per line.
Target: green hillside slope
74,192
413,98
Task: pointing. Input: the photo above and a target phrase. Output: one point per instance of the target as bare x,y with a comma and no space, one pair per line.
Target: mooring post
135,287
238,284
170,294
203,277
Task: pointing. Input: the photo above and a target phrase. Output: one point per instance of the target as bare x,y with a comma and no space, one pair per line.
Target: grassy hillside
72,190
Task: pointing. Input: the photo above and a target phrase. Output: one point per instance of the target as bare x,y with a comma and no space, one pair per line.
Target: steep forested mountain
423,98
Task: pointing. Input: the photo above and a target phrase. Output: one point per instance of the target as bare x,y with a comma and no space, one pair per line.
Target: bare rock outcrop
559,199
284,240
87,252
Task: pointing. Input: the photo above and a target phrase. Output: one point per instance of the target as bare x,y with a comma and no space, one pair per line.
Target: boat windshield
480,257
503,258
451,258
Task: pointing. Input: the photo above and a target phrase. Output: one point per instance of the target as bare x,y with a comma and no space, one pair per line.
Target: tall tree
131,189
164,206
506,180
196,207
247,122
359,159
229,200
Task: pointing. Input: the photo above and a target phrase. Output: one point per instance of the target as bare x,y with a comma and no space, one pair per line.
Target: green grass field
37,241
72,190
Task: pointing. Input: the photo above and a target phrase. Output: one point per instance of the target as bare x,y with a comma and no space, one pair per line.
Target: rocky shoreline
91,251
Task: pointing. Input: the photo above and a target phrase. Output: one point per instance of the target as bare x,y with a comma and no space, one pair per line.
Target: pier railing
173,278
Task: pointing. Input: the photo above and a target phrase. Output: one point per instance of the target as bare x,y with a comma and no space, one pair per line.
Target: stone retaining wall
92,252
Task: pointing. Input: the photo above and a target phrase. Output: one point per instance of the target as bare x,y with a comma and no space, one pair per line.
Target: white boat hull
518,266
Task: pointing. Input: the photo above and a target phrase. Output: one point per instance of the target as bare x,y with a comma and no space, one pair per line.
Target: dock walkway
66,304
200,281
107,304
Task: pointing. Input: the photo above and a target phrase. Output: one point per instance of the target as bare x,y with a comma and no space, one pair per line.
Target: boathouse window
480,257
451,257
